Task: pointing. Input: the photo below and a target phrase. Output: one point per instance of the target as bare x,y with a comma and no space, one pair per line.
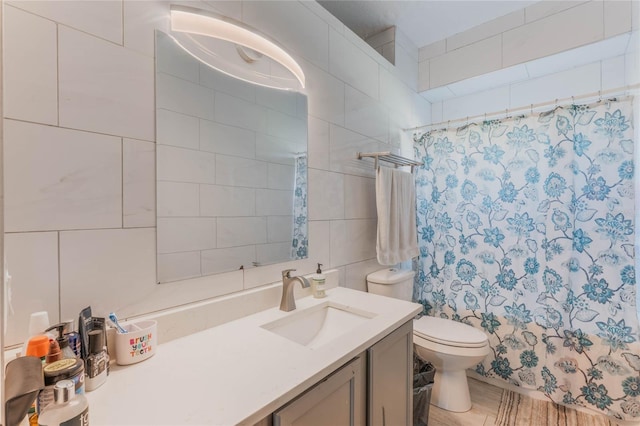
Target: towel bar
389,157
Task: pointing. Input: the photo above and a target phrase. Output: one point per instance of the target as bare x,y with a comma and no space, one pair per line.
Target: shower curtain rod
598,95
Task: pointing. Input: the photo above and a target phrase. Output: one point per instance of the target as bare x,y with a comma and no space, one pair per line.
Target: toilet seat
448,332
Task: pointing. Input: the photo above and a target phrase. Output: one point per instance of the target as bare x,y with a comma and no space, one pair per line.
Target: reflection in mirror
231,170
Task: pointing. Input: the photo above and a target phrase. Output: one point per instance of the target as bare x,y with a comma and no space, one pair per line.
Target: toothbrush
114,319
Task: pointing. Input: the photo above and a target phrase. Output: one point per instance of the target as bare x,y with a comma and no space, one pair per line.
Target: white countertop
238,372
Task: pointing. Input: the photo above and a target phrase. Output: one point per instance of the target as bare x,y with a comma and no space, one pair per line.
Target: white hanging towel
396,204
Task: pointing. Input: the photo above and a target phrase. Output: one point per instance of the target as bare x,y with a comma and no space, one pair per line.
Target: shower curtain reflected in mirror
526,231
300,241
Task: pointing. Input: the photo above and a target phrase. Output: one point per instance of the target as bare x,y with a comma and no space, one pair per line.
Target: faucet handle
287,273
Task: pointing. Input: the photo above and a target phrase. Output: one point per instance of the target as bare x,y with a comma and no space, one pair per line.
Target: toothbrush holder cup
138,343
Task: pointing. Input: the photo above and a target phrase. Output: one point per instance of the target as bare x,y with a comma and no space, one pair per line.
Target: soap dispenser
318,284
63,340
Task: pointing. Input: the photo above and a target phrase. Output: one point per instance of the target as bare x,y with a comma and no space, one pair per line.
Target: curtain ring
467,120
531,109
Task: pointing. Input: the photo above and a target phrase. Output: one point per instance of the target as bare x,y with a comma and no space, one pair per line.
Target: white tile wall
361,70
240,113
229,140
177,129
185,165
101,19
475,104
104,88
543,9
433,49
216,200
105,85
281,176
274,252
237,171
352,241
327,101
140,21
184,97
226,259
366,115
318,144
617,17
138,183
30,67
178,199
474,59
612,73
356,273
359,197
326,195
584,79
60,179
178,266
110,270
565,30
241,231
226,84
486,30
179,63
344,148
32,262
176,234
274,202
291,24
279,229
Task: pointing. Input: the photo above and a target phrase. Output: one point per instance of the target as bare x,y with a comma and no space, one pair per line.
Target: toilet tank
391,282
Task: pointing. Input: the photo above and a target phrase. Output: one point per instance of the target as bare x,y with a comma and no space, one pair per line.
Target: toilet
450,346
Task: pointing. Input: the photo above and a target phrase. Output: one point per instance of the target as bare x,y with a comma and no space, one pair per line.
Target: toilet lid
449,332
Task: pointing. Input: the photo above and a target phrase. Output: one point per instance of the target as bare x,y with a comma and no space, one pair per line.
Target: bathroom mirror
231,169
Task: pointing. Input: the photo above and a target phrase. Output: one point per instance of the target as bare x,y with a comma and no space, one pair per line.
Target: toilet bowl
450,346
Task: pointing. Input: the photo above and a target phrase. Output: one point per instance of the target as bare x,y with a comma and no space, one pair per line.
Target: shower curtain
300,241
526,229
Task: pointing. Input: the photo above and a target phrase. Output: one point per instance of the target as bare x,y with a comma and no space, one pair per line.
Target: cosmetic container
68,409
65,369
97,362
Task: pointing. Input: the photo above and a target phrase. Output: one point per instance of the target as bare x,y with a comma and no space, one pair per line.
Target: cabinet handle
384,418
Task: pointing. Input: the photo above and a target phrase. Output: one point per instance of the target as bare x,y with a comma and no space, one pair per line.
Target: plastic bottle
63,340
65,369
318,284
68,408
38,322
97,361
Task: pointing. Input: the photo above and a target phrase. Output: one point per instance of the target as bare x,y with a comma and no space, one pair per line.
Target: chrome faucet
288,302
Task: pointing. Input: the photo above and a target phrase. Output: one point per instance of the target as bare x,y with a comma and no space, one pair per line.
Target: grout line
59,277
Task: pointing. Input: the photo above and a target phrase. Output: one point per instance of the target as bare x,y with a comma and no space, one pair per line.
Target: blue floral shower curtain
300,241
526,230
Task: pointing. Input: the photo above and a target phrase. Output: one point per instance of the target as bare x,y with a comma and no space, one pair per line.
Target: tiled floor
486,401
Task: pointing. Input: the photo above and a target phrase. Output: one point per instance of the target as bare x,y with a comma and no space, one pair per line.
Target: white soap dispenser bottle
318,284
69,408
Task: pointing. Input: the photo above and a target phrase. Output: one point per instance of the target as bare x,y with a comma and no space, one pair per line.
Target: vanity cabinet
375,389
390,379
340,399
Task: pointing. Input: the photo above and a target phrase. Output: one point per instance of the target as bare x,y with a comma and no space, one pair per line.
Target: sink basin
315,326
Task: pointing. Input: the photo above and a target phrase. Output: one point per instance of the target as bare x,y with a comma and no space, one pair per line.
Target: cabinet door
339,400
390,377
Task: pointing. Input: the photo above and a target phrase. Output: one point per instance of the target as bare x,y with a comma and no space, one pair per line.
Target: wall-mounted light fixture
196,22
